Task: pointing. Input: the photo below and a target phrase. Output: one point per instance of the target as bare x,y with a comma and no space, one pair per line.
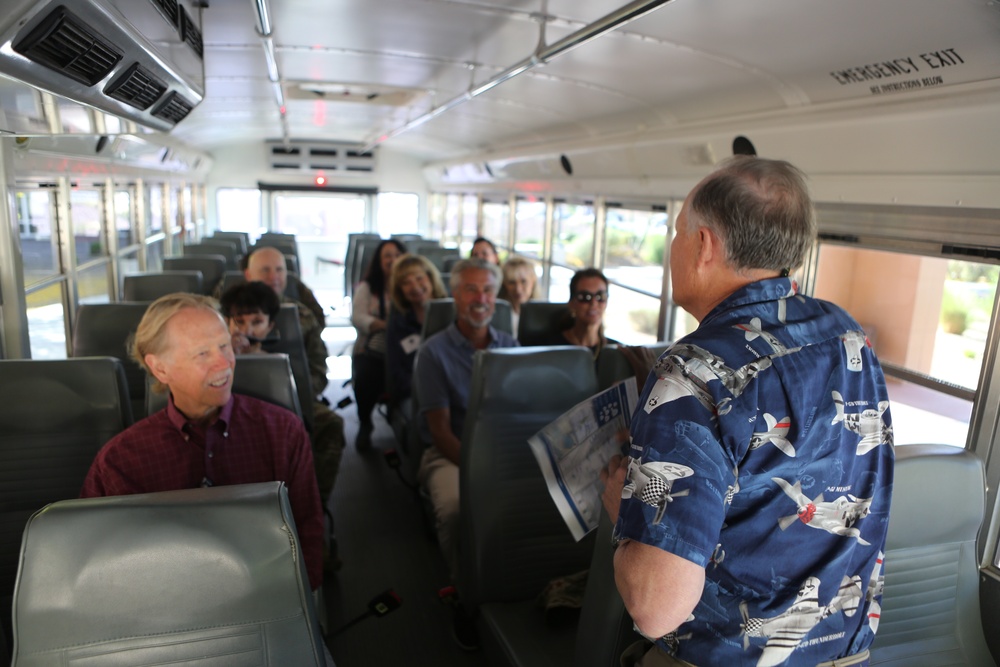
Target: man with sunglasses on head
442,380
751,509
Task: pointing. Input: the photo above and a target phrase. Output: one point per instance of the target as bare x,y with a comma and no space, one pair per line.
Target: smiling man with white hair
207,436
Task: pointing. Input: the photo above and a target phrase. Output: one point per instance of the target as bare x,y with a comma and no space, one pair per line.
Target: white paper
410,343
573,450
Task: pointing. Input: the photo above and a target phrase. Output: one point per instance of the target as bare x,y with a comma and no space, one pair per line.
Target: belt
857,660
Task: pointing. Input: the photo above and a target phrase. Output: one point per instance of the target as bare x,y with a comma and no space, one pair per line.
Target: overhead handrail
541,56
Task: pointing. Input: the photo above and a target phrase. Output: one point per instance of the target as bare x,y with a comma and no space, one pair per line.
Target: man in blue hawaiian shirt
751,510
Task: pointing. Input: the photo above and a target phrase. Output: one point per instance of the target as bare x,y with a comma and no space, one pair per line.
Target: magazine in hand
573,450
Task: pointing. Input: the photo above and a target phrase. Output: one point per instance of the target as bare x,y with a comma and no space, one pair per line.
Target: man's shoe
465,631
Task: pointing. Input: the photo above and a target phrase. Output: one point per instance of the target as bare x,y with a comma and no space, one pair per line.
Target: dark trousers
369,384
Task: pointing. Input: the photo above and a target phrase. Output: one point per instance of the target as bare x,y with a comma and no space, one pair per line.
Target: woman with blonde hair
414,282
520,284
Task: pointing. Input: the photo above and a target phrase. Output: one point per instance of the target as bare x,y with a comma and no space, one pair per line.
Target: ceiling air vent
173,109
136,87
66,44
191,34
169,9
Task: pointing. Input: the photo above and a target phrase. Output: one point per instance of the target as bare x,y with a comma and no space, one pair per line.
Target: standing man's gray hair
760,209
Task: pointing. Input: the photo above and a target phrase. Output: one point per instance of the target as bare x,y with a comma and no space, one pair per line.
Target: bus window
86,211
238,210
397,213
530,233
123,219
573,236
155,218
927,319
43,282
454,220
496,227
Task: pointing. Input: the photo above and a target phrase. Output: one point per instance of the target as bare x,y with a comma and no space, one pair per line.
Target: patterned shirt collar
457,339
760,291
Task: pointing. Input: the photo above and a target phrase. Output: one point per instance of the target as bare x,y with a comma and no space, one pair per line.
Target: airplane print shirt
761,449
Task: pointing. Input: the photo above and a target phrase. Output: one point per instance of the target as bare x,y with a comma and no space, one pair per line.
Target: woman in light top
520,284
414,282
369,315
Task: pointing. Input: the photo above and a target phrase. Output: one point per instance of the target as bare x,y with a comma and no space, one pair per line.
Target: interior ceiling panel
682,64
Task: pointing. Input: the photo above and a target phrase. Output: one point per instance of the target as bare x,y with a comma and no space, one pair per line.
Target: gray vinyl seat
406,239
605,628
242,239
438,256
286,243
230,278
540,320
264,376
441,312
930,613
353,241
211,266
192,577
364,250
54,418
513,538
103,330
612,366
226,248
151,286
289,341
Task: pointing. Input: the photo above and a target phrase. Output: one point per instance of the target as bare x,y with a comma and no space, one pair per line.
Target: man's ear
708,246
158,367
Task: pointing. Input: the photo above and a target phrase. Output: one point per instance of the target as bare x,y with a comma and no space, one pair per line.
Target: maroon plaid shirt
251,441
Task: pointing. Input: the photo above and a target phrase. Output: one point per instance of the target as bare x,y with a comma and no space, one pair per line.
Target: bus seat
605,628
286,243
930,612
264,376
151,286
441,312
242,239
229,279
438,256
226,248
540,320
450,262
211,266
103,330
513,538
291,343
54,418
406,239
206,576
612,366
292,263
353,241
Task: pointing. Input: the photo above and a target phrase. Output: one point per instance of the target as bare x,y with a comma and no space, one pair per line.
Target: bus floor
384,543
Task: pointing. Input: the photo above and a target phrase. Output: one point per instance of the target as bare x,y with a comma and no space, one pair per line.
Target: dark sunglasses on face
587,297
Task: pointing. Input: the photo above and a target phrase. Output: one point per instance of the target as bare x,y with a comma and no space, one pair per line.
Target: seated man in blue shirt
445,375
752,507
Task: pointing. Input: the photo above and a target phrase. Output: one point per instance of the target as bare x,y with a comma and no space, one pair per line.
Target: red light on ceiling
320,180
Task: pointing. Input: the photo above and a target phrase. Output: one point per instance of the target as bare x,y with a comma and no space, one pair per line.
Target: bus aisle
384,543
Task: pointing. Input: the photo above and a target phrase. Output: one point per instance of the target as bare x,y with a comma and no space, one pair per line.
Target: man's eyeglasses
587,297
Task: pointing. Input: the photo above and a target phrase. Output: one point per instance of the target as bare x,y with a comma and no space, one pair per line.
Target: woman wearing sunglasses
588,299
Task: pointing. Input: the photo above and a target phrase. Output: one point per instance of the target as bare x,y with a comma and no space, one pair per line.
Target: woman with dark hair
588,299
369,315
484,249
